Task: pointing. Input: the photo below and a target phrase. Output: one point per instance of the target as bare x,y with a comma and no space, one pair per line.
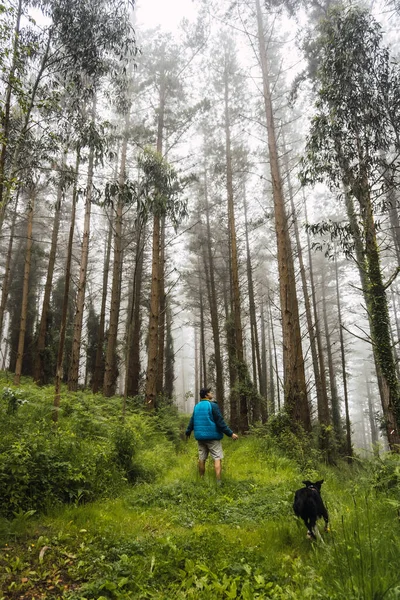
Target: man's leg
202,467
218,468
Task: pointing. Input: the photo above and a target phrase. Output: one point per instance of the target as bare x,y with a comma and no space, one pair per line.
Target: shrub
124,450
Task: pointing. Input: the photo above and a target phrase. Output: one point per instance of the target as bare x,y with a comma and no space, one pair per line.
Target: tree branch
392,278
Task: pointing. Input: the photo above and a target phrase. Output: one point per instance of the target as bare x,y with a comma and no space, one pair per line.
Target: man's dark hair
204,392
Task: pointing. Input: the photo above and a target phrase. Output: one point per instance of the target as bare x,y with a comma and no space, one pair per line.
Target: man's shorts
213,447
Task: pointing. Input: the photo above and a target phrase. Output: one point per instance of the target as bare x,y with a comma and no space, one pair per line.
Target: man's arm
189,428
219,420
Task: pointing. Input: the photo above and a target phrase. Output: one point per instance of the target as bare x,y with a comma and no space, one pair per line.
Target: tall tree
344,148
295,389
159,190
92,142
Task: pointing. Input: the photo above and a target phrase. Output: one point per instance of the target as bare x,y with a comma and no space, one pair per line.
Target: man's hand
234,436
187,436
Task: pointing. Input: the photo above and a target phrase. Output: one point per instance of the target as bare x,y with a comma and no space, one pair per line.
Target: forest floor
181,537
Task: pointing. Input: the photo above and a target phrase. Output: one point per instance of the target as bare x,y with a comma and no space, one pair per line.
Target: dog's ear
319,483
307,483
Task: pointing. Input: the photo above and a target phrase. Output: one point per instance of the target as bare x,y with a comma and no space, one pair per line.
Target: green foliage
125,445
89,455
291,439
159,189
172,535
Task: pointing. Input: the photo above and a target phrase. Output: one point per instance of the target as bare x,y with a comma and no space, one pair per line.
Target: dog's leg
310,532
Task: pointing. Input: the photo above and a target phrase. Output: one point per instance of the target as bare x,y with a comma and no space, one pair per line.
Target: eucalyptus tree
353,135
228,102
121,194
158,191
25,287
295,389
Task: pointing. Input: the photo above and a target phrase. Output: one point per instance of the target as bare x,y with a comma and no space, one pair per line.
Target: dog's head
315,486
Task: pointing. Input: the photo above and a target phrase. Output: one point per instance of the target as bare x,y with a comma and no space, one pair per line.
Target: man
209,428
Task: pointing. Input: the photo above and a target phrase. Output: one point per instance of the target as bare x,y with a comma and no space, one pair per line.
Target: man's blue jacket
207,422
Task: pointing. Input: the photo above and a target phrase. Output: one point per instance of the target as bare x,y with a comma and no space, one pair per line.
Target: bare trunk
196,366
161,326
319,374
255,345
349,448
111,369
73,376
38,373
203,357
243,424
99,362
264,370
296,401
5,121
134,324
63,324
275,364
220,393
156,290
169,354
371,415
6,191
331,367
7,270
25,290
152,352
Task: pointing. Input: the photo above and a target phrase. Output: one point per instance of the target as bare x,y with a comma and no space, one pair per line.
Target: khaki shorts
213,447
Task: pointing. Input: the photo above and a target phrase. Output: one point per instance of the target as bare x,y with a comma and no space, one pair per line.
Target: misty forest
215,204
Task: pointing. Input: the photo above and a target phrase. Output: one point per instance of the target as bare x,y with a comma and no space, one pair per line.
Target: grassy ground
180,537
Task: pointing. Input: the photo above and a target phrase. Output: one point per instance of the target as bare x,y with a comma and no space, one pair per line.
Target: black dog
308,506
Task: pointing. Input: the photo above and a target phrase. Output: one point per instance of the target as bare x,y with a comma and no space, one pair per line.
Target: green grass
141,524
181,537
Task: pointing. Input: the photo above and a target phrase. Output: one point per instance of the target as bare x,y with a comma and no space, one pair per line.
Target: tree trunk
161,325
255,345
152,352
111,368
331,367
156,290
196,366
98,375
319,375
7,269
371,415
132,361
274,365
349,448
396,320
220,393
243,423
362,270
264,376
203,358
6,191
63,324
296,402
169,354
380,324
5,121
73,376
25,290
38,373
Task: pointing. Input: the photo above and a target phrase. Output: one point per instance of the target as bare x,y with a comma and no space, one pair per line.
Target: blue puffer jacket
207,422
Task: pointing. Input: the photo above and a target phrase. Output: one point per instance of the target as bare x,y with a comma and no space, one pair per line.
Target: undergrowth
148,527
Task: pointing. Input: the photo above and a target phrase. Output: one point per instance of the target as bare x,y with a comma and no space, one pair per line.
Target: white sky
166,13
